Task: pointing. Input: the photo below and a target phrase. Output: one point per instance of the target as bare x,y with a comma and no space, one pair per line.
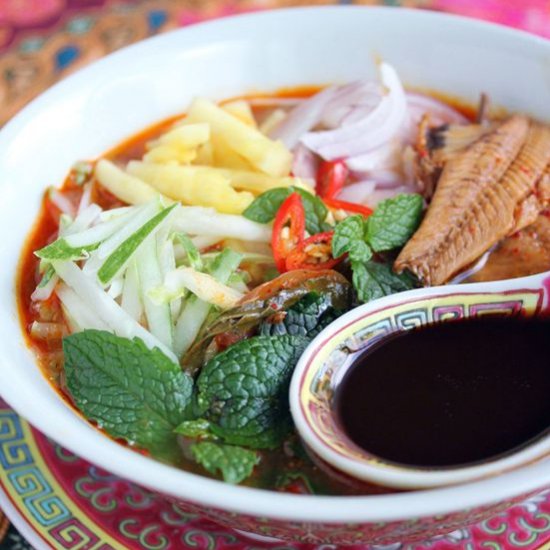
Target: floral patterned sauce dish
101,105
325,363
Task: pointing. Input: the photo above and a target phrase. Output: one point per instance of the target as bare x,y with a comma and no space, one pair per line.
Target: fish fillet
476,200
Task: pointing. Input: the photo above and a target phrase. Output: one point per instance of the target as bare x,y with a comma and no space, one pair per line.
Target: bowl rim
216,494
374,469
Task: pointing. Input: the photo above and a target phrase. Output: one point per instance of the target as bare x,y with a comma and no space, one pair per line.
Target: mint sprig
390,226
393,222
132,392
373,280
234,463
349,237
264,208
243,390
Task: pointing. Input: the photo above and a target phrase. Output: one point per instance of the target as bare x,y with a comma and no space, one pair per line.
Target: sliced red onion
440,113
305,163
302,118
86,198
387,155
328,107
62,202
380,125
351,102
357,192
387,179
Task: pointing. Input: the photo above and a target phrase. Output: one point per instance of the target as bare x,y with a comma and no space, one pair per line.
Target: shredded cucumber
137,218
105,308
120,256
130,272
167,260
196,311
192,253
131,297
196,220
99,232
46,285
79,315
83,220
158,316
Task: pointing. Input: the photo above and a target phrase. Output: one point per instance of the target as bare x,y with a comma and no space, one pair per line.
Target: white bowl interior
96,108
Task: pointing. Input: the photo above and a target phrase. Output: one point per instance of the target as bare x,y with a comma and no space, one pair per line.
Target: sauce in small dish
450,394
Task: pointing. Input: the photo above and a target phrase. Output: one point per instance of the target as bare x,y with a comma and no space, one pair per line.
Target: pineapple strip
253,182
268,156
240,109
193,186
127,188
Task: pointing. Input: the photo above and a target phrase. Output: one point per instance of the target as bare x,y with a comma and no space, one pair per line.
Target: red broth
286,469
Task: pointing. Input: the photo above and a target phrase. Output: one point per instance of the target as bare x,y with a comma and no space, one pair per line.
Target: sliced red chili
331,177
314,252
289,228
349,206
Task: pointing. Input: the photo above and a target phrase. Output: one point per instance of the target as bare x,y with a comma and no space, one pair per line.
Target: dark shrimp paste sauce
450,394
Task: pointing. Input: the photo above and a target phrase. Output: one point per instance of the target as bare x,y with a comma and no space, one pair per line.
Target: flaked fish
476,200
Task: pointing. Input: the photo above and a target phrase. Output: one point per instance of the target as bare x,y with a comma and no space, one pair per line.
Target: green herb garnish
374,280
349,237
234,463
264,208
307,317
390,226
132,392
243,390
194,428
394,221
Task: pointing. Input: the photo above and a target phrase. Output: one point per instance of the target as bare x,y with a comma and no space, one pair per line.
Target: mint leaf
235,463
359,251
243,390
393,222
122,253
264,208
316,212
349,236
347,231
309,316
194,428
61,250
132,392
374,280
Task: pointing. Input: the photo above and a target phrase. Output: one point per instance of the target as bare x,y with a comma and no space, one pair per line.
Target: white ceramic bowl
89,112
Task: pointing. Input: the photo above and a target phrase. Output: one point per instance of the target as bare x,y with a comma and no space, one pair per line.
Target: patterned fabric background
41,41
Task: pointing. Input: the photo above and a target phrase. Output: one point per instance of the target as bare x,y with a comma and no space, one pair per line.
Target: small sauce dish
327,360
